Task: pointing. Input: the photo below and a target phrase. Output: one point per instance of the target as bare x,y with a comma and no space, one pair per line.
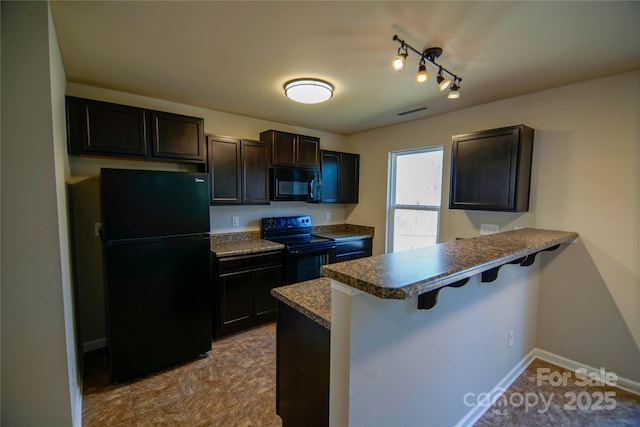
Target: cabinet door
265,304
224,170
330,176
235,306
308,152
283,149
175,136
255,173
303,369
349,177
340,177
491,170
97,127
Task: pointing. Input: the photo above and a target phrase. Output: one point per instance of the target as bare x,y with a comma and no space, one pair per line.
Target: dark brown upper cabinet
291,150
175,136
491,170
255,173
340,177
105,129
238,171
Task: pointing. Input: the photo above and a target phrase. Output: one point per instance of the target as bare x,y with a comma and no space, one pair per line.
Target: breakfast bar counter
402,275
384,333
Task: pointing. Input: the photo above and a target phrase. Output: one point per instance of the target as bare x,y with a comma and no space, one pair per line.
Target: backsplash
221,217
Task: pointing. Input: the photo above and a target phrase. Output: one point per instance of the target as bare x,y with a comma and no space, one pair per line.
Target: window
415,194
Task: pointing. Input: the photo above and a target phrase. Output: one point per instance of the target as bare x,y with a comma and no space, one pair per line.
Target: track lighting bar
428,55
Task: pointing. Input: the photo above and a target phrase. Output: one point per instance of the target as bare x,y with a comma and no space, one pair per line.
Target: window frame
392,207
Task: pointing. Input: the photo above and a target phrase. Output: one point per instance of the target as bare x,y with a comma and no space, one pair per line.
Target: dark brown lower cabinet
242,291
302,367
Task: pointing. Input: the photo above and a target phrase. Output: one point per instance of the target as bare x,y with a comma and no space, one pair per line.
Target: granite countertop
343,232
402,275
311,298
243,243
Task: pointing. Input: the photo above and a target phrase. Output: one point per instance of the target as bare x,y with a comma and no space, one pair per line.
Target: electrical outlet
489,228
510,338
97,227
328,216
235,221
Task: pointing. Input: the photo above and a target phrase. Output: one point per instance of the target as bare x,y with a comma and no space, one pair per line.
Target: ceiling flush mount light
428,55
308,91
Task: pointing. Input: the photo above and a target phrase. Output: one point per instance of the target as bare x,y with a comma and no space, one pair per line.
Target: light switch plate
235,221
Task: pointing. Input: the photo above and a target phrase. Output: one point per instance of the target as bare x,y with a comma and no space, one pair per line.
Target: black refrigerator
157,269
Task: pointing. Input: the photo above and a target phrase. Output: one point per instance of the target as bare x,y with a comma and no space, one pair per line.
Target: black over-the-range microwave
295,184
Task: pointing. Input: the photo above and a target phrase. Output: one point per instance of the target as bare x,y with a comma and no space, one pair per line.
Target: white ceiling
234,56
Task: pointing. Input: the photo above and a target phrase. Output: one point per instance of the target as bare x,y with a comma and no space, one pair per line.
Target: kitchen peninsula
412,333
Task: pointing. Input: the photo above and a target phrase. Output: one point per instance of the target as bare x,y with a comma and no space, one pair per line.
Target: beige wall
39,375
585,179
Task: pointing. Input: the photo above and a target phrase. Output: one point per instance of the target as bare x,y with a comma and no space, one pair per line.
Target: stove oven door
305,264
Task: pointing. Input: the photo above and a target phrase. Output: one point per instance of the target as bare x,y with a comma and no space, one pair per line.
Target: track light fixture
429,55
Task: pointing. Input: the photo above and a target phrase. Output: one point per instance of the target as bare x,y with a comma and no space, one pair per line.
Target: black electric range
305,253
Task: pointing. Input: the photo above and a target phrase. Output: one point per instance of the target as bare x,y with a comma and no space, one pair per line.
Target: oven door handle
324,251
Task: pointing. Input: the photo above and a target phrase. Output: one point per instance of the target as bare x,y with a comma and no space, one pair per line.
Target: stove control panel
286,222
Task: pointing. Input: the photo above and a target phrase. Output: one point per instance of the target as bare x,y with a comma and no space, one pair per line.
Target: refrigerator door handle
142,240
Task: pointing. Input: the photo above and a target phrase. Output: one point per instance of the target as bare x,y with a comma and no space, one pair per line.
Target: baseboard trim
88,346
479,410
77,418
622,383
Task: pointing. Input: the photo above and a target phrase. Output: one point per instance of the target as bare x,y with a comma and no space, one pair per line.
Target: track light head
443,83
400,60
453,93
422,75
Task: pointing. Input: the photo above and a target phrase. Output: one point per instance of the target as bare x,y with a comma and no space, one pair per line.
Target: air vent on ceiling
415,110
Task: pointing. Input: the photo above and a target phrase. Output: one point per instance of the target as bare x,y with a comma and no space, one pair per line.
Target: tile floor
235,386
553,401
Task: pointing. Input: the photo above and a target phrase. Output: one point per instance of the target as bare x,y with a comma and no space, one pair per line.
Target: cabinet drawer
353,247
248,262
